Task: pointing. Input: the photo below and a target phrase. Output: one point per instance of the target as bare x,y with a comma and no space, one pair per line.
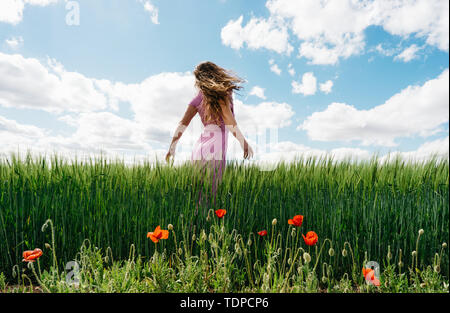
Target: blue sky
375,60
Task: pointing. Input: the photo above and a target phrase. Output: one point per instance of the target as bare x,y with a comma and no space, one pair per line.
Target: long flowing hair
215,83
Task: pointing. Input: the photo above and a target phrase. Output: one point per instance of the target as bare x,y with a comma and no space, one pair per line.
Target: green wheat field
98,213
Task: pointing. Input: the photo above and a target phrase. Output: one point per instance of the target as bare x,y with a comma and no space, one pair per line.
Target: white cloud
385,51
291,70
307,87
152,10
258,92
27,83
438,148
416,110
266,115
274,67
11,11
408,54
326,87
14,42
332,30
258,33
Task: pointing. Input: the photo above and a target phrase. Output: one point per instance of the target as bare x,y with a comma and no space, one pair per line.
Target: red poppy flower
369,275
262,233
221,213
296,221
311,238
32,255
158,234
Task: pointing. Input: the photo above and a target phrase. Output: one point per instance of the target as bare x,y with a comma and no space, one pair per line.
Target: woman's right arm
231,125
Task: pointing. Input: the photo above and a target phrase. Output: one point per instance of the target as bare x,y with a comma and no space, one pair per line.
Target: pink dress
210,150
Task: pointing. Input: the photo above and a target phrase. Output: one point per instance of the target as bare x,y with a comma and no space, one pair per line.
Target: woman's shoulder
197,99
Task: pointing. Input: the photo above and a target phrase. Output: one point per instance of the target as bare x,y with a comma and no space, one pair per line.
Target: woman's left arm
184,123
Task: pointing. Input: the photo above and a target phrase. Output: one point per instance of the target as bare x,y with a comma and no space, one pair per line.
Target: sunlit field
104,215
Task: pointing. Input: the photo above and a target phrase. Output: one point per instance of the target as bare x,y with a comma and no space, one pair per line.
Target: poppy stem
318,256
38,280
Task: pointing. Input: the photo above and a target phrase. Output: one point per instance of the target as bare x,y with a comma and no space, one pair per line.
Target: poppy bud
249,242
400,264
324,279
389,255
180,251
211,237
421,231
236,247
293,232
437,268
194,237
306,257
203,236
444,245
47,246
274,222
331,252
344,253
170,227
414,253
289,261
208,218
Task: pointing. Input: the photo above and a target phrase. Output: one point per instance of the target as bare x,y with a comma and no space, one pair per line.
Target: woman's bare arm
184,123
231,125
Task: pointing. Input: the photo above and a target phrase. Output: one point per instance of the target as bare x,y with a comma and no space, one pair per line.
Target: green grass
369,205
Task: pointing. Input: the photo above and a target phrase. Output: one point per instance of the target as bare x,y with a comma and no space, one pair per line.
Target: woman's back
197,103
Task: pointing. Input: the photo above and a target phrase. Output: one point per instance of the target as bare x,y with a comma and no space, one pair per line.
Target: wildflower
311,238
262,233
221,213
274,222
170,227
444,245
296,221
158,234
421,231
306,257
369,275
414,253
32,255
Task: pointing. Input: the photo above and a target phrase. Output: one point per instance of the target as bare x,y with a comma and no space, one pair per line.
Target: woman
214,104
